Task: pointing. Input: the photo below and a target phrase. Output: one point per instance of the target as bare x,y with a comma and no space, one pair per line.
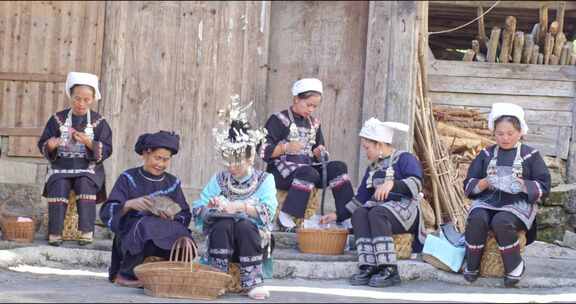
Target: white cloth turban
78,78
379,131
305,85
507,109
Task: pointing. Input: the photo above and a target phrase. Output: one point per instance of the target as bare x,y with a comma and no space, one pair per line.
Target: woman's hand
318,151
383,190
483,184
214,203
328,218
53,143
82,138
142,203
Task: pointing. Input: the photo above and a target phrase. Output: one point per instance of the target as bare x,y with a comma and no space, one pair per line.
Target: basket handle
190,250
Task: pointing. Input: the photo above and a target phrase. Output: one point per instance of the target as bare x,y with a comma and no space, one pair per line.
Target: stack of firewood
464,132
546,44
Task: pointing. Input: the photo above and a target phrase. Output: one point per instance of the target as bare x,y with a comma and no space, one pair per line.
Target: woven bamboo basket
435,262
22,232
311,207
234,272
182,278
491,264
70,232
403,245
322,241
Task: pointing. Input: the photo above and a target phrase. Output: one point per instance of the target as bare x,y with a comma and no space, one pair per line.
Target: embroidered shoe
86,238
363,277
388,276
55,240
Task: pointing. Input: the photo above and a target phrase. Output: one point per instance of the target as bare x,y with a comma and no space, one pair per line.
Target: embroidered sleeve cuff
534,190
48,155
471,187
96,153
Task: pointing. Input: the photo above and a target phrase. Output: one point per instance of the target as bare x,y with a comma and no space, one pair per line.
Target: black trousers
505,226
57,198
373,231
300,183
231,241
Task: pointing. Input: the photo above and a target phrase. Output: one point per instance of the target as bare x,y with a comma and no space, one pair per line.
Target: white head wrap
78,78
379,131
507,109
305,85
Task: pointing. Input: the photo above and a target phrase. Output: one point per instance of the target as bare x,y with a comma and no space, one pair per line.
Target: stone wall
557,213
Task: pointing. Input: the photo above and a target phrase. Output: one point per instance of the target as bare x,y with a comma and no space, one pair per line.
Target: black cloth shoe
470,276
363,277
511,281
386,277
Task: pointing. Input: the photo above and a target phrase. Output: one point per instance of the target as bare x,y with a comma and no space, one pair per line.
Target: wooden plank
21,131
206,52
24,146
536,103
493,44
509,71
502,86
571,161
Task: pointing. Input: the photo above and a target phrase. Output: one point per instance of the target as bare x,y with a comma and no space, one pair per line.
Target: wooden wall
171,66
40,42
546,92
326,40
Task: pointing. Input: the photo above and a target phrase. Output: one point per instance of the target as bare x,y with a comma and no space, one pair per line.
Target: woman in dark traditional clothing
76,141
386,203
130,209
236,207
505,182
293,149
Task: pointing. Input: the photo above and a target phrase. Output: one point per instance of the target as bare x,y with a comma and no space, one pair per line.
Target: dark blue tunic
135,228
88,164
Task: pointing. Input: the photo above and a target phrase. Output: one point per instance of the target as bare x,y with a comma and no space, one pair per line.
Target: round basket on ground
322,241
19,231
182,279
491,264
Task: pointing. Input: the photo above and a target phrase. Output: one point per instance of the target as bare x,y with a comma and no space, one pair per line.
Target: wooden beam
503,4
571,161
21,131
32,77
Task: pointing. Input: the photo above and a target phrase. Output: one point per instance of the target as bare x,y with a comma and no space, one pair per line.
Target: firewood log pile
464,132
545,44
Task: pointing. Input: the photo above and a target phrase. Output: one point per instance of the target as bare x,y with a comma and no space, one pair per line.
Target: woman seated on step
293,149
386,203
142,229
76,141
505,182
236,207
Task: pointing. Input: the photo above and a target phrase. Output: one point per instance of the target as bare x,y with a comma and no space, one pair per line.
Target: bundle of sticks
545,44
440,184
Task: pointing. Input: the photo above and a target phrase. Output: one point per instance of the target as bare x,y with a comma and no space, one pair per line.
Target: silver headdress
233,134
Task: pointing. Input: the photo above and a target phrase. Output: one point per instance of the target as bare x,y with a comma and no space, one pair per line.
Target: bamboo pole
518,47
560,15
543,25
528,45
493,44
